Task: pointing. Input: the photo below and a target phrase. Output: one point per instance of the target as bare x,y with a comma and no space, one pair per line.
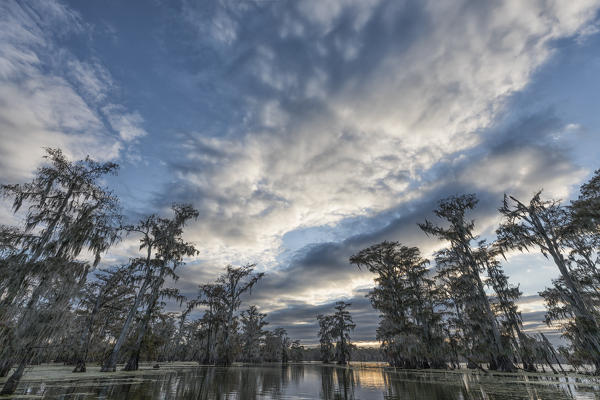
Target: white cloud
95,81
371,98
49,97
128,125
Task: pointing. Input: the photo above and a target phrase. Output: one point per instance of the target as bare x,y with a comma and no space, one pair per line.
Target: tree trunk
79,365
5,366
581,309
84,341
133,361
501,359
206,359
551,348
110,365
224,357
134,358
11,384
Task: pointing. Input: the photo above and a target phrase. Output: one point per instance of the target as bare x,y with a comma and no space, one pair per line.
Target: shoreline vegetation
457,311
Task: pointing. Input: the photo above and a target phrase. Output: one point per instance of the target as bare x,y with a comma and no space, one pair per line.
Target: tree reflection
327,382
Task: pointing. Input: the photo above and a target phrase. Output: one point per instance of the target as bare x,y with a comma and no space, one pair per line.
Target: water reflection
309,381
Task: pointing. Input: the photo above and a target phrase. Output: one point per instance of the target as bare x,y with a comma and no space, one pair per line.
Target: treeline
464,309
54,307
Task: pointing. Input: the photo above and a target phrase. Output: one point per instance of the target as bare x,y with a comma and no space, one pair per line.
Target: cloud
94,79
48,96
348,108
319,273
349,120
128,125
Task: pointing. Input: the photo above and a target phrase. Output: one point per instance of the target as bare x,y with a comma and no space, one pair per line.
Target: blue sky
306,130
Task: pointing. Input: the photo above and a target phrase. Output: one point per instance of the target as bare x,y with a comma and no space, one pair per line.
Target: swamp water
299,381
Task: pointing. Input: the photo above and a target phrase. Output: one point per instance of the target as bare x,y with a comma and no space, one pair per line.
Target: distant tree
296,351
253,332
67,212
175,348
342,324
277,346
326,338
212,298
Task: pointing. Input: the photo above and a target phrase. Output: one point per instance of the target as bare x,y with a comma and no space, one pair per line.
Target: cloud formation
349,107
49,97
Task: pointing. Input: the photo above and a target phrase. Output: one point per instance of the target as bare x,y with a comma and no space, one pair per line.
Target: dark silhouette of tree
410,329
547,226
468,269
336,327
253,334
212,322
326,345
277,346
296,351
235,282
342,324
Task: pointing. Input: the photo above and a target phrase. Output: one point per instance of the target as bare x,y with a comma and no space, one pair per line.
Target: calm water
306,381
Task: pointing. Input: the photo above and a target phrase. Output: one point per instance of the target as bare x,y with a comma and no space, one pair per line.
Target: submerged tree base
79,367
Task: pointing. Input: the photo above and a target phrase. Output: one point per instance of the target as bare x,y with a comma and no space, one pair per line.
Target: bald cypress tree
171,249
161,240
212,298
549,227
66,212
410,329
253,332
326,346
235,282
111,290
459,234
504,305
341,325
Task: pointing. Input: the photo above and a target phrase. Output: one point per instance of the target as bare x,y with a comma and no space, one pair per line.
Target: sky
304,131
